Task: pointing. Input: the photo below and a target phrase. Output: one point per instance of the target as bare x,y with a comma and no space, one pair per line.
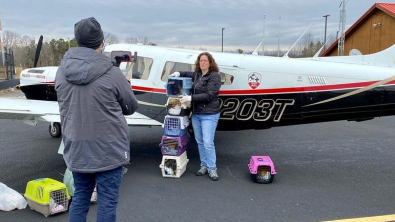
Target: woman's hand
175,74
184,99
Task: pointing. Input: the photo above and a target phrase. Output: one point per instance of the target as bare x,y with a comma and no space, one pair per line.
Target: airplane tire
55,131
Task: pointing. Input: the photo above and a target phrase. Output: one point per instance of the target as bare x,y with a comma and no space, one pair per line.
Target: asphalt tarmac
325,171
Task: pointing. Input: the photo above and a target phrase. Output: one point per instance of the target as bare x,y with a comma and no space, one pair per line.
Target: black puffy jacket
204,91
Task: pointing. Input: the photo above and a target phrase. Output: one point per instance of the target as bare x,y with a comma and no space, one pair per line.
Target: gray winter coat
93,97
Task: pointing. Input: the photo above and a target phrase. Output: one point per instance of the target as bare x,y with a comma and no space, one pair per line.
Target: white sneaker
213,175
94,196
202,171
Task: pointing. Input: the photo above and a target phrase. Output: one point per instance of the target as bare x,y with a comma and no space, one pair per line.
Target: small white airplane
257,92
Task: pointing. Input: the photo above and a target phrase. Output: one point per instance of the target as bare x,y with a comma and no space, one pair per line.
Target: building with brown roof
374,31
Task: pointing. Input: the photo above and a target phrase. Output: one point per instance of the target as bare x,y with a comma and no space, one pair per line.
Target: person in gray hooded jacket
93,97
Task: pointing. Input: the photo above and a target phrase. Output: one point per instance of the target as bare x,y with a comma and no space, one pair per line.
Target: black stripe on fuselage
241,112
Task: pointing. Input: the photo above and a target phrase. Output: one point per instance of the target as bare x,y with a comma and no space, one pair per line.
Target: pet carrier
47,196
175,125
262,169
178,86
175,108
174,166
174,146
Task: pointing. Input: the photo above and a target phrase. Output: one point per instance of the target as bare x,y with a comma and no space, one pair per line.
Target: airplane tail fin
384,58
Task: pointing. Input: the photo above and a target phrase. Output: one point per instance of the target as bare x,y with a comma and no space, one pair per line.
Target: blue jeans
204,126
108,183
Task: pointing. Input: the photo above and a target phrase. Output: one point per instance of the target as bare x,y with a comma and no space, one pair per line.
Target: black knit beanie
88,33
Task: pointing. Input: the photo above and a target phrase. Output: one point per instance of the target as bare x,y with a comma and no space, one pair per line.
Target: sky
194,24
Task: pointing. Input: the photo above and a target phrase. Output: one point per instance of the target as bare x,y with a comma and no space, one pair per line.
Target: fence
7,67
3,75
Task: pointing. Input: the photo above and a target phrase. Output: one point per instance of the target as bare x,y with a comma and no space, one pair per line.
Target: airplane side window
139,69
171,67
226,79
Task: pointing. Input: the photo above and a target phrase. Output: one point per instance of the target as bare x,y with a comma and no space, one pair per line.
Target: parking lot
326,171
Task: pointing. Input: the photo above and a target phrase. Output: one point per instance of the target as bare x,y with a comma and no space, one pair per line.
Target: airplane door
156,106
142,75
171,61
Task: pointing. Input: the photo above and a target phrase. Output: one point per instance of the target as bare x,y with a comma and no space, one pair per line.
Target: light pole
326,19
2,45
223,39
264,24
278,47
69,42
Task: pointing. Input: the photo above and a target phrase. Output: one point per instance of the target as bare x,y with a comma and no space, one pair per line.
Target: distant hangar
372,32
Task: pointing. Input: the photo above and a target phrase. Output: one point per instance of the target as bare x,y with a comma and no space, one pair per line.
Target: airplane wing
30,111
138,119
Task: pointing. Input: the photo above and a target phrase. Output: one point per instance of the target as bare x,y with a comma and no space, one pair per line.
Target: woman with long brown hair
205,110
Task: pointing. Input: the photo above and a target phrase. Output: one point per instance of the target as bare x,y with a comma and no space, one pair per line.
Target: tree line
24,48
308,46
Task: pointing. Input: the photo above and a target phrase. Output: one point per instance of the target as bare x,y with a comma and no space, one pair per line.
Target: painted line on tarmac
384,218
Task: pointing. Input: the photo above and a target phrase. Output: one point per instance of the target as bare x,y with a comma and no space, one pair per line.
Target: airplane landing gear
55,130
190,131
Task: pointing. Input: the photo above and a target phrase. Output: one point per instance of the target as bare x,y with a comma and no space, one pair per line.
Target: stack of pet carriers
175,139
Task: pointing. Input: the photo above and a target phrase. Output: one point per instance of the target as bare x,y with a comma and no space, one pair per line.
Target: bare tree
110,38
142,40
25,40
272,52
308,38
19,45
131,40
309,46
11,39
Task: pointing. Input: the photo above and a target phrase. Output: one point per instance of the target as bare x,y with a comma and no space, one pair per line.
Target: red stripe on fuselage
271,91
278,90
47,82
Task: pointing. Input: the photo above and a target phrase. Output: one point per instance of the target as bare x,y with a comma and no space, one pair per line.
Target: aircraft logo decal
254,80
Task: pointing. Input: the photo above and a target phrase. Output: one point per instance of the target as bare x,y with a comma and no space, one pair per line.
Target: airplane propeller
38,50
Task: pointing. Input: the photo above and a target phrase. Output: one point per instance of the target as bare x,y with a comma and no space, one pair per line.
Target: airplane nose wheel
55,130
